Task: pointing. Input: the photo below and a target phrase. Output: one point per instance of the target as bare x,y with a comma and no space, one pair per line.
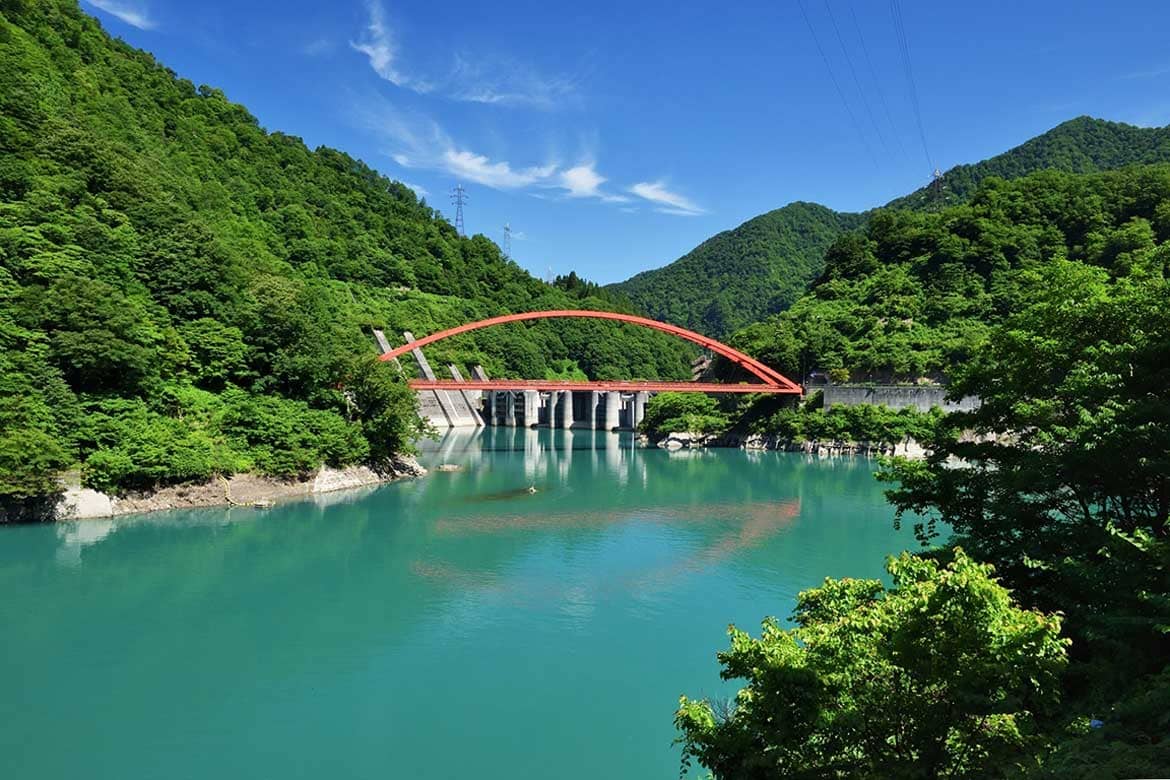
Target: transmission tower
507,240
459,197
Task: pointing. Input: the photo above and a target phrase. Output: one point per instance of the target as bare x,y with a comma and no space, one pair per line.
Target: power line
459,197
877,83
856,81
904,46
837,85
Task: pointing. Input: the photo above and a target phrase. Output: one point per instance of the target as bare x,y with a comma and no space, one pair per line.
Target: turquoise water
450,627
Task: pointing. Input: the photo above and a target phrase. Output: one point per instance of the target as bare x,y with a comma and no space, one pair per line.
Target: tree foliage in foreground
940,675
1061,481
1066,490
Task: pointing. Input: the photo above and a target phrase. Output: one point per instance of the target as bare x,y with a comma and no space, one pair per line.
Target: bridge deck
622,386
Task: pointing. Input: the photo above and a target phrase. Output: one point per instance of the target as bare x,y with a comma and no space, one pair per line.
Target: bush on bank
684,413
696,413
941,675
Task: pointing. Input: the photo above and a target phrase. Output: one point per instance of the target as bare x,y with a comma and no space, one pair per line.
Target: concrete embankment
80,503
908,448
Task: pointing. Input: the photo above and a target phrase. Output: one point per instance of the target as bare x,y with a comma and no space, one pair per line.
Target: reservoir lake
453,626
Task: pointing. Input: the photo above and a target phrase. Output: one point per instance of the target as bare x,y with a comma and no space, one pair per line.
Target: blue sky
615,136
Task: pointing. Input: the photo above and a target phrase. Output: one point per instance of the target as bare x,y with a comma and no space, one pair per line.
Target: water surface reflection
363,633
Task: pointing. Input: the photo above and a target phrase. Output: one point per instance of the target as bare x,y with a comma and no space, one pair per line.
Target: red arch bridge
564,403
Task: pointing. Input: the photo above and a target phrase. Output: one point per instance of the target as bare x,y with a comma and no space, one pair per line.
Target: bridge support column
509,409
553,408
544,412
490,411
566,409
531,408
640,400
594,401
613,405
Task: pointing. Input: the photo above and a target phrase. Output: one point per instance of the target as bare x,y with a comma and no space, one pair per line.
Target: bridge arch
748,363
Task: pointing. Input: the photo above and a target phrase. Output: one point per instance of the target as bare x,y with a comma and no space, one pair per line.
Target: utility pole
507,240
936,183
459,197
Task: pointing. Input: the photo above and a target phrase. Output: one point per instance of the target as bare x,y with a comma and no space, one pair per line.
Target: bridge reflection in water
594,481
379,622
547,454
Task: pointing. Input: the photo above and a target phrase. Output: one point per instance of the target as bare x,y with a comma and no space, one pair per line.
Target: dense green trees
184,293
846,423
777,416
1061,482
763,266
739,276
1067,489
1081,145
942,675
915,294
683,413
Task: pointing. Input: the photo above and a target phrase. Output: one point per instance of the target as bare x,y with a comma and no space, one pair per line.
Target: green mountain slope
1081,145
184,293
762,266
741,275
915,294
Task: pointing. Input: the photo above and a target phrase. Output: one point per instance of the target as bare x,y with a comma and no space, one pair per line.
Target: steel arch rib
750,364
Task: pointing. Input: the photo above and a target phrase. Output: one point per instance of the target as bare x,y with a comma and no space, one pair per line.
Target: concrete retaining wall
896,397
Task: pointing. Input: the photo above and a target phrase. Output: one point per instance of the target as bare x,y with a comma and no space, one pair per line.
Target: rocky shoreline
907,448
80,503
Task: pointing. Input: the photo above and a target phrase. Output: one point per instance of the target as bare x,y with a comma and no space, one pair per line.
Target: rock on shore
908,448
79,503
687,441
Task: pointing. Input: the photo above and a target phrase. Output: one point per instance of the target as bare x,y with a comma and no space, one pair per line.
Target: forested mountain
738,276
184,293
915,294
761,267
1049,298
1081,145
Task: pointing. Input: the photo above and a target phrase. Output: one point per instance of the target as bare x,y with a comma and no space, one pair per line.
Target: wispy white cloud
419,190
378,45
507,83
416,141
473,79
419,142
583,181
131,12
665,201
498,175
